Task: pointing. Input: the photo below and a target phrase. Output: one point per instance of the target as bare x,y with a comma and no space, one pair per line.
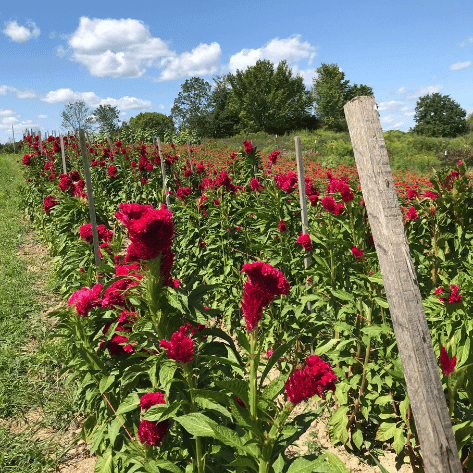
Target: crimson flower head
274,156
329,204
180,348
85,299
152,432
412,214
282,226
286,182
305,241
446,363
411,194
255,185
248,147
49,203
112,171
358,254
265,282
317,377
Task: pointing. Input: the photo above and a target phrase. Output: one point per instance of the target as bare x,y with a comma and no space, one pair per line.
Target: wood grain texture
418,360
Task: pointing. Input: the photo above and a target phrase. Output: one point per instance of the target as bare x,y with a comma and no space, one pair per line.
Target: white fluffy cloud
124,48
466,42
460,65
202,61
391,103
290,49
93,100
21,94
9,118
42,116
415,94
21,34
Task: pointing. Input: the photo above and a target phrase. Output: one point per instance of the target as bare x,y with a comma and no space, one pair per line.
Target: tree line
265,98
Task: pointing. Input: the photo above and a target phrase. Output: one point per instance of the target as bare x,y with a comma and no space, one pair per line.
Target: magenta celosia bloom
305,241
49,203
65,183
114,295
152,432
180,348
104,234
310,189
255,185
314,199
112,171
151,399
317,377
282,226
118,345
447,364
85,299
357,253
274,156
183,192
265,282
411,194
453,296
286,182
329,204
248,147
412,214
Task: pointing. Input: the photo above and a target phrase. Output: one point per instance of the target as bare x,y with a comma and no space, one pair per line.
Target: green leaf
243,341
334,461
463,433
236,386
105,383
382,302
131,402
278,465
403,405
381,467
160,412
357,438
104,463
302,465
272,390
346,296
386,431
197,424
384,399
399,439
375,330
114,429
338,425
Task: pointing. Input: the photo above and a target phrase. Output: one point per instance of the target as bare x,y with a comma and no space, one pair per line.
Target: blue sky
136,55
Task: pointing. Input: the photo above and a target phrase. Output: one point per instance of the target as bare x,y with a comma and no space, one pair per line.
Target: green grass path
29,361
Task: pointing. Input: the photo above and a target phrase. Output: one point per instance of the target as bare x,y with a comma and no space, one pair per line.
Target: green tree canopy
157,123
77,115
223,121
439,115
269,100
469,122
106,117
192,106
331,91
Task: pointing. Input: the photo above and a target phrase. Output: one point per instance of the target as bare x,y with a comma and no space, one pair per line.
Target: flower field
195,303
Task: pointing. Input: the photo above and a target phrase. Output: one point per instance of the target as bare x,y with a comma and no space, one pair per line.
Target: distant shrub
453,156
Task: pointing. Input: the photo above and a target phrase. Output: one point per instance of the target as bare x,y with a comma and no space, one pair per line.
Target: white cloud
5,113
9,118
116,48
460,65
387,119
386,105
466,42
290,49
410,114
202,61
21,34
431,89
308,75
93,100
26,94
397,125
401,90
42,116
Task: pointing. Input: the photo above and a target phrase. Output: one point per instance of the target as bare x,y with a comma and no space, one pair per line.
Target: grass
31,391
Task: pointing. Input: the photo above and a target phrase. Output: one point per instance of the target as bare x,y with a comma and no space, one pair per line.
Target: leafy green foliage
77,115
106,117
270,100
146,126
439,115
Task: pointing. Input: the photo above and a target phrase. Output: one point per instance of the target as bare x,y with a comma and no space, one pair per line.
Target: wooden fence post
163,171
90,199
190,156
433,423
40,144
63,156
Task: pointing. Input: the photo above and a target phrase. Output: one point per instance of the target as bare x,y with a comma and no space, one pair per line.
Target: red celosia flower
255,185
358,254
329,204
282,226
180,348
310,189
305,241
114,294
274,156
49,203
118,345
254,299
183,192
314,199
242,404
202,244
286,182
65,183
446,363
112,171
104,233
151,399
411,193
454,296
317,377
85,299
412,214
248,147
152,432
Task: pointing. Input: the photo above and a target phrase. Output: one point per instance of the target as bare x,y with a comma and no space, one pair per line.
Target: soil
77,458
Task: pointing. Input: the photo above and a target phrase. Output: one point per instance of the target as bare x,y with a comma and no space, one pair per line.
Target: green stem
187,369
253,377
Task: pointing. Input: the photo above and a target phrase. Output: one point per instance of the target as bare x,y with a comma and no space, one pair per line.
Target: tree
269,100
157,123
469,122
106,117
222,121
77,115
439,115
192,106
331,92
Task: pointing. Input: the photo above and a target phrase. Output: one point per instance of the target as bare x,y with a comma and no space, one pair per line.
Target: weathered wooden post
190,157
90,198
63,155
433,424
163,171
